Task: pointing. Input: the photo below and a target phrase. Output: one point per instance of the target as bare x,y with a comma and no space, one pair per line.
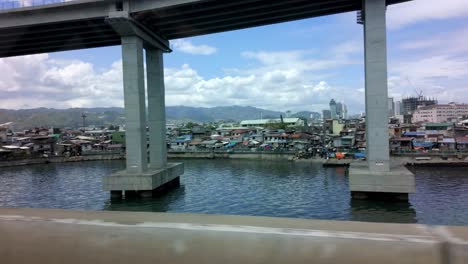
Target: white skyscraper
344,111
391,107
397,108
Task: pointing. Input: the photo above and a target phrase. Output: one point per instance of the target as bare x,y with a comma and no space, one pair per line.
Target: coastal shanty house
83,145
5,154
199,132
419,135
43,144
99,134
256,137
462,143
460,130
347,141
3,134
240,134
10,151
194,144
38,131
181,142
300,140
447,144
438,126
400,144
67,148
278,139
211,144
395,131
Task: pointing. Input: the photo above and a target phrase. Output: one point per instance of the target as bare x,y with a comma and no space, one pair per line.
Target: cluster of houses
349,136
294,135
45,142
429,137
242,138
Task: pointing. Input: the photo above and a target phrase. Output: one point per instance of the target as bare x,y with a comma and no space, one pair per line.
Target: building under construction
410,104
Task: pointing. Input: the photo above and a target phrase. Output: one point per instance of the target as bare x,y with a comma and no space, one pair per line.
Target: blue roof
359,155
413,134
422,144
183,139
231,144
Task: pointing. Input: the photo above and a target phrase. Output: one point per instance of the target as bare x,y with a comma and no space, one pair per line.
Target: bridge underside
82,24
148,25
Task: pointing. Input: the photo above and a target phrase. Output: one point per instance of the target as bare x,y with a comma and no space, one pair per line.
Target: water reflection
169,201
382,211
242,187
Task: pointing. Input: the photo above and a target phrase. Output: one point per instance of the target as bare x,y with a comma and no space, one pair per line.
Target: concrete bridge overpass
86,23
146,24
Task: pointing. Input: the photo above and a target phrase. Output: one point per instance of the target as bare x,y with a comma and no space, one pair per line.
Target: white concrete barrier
61,236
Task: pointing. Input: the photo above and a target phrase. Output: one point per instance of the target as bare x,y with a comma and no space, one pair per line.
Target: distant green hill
49,117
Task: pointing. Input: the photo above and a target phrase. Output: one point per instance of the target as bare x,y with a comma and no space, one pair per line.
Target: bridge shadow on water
162,202
382,211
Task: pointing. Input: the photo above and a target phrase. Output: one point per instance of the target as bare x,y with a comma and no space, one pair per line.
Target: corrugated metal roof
266,121
448,140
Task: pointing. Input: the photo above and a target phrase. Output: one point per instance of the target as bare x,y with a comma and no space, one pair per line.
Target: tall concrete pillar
156,108
377,179
134,99
139,178
375,54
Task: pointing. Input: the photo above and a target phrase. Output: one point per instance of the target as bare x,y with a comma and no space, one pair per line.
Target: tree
190,125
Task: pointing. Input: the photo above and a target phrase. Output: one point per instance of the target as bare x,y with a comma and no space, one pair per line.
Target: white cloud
438,76
186,46
434,64
275,80
38,81
448,42
416,11
290,80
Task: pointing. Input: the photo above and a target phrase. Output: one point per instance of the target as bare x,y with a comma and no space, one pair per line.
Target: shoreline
25,162
399,160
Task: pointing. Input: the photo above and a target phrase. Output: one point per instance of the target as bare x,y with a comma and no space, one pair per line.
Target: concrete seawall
62,236
230,155
400,160
11,163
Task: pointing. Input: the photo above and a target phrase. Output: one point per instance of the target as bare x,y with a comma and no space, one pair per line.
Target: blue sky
294,66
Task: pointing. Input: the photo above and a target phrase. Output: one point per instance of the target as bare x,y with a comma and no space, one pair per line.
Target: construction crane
83,116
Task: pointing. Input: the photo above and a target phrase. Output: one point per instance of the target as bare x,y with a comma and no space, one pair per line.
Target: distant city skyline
297,66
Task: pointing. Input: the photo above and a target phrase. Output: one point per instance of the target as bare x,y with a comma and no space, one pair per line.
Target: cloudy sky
294,66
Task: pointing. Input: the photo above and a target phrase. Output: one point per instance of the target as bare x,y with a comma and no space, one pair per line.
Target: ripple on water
243,187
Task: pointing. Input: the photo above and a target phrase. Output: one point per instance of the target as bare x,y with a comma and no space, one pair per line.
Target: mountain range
72,117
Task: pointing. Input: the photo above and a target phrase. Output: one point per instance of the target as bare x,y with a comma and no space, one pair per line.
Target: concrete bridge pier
377,179
140,177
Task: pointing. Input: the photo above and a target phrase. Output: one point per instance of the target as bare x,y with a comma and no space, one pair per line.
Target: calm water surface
243,187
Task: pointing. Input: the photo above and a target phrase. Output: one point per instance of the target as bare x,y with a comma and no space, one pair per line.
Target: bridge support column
139,177
156,108
378,178
134,100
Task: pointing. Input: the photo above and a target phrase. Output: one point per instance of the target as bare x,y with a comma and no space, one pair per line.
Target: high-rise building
345,111
410,104
391,107
339,110
326,114
397,110
333,109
